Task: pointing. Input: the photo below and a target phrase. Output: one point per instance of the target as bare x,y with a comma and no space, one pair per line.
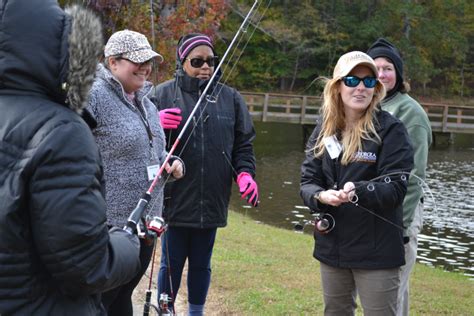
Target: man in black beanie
397,101
383,48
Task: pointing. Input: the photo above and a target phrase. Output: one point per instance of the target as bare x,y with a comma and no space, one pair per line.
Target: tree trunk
295,71
406,21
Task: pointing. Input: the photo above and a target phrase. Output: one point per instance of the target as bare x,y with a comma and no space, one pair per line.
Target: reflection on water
447,239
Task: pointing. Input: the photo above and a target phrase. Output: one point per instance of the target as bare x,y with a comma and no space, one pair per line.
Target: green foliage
305,39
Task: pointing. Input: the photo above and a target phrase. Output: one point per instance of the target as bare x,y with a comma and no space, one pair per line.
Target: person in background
216,147
56,252
358,231
390,71
131,141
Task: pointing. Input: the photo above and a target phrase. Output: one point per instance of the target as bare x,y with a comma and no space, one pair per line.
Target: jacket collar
194,85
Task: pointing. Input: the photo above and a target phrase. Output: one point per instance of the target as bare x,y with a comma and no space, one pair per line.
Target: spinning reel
150,229
324,223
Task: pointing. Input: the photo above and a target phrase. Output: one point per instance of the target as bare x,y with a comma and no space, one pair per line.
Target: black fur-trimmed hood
57,60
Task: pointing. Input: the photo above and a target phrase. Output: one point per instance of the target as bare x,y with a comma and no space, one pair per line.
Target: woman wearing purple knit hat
217,150
406,109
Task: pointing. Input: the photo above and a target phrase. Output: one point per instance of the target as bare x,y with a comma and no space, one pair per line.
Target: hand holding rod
137,214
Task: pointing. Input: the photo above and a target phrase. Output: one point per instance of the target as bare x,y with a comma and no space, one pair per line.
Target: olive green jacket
416,121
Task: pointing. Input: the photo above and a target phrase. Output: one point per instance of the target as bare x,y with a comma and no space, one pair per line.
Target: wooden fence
304,110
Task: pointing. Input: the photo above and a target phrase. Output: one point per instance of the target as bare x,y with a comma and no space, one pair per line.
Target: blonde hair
333,121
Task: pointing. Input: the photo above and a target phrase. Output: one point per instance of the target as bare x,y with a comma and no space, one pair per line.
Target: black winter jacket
56,254
217,147
359,238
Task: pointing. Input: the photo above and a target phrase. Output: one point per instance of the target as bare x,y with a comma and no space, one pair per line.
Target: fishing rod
324,222
143,202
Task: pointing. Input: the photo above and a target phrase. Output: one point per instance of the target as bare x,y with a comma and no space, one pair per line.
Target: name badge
152,171
333,146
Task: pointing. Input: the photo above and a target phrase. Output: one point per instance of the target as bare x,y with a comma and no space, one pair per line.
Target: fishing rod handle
137,214
146,307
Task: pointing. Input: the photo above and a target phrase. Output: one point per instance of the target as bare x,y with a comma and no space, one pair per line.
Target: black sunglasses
353,81
199,62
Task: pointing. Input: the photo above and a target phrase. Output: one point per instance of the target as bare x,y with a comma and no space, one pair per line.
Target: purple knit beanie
188,42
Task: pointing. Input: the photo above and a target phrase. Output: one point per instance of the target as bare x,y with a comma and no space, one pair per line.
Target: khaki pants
377,290
410,258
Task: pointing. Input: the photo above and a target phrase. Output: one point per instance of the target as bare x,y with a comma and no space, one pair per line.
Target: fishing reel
163,304
157,225
324,223
149,230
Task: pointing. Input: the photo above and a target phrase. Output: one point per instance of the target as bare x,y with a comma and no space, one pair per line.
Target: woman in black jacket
216,148
56,253
359,228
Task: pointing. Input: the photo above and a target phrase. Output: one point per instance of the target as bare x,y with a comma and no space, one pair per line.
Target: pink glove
248,186
170,118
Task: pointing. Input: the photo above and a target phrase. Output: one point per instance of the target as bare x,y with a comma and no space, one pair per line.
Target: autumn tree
162,21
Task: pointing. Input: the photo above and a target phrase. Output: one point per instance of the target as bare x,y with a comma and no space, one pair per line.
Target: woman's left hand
176,169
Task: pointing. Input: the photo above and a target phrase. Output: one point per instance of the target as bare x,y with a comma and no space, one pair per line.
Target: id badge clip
333,146
152,171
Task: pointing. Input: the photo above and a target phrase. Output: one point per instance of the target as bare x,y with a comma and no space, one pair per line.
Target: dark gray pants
377,290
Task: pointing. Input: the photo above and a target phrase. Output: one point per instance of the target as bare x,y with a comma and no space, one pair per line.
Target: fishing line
228,75
403,177
218,83
386,179
370,187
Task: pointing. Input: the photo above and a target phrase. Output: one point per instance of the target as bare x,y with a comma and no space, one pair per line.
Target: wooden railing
303,109
450,118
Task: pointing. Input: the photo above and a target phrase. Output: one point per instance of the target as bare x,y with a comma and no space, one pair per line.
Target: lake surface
447,238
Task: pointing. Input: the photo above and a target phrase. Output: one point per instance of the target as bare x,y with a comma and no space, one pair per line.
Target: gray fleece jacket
125,145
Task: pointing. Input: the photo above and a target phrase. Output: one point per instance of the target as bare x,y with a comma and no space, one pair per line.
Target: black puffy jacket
56,254
217,147
360,239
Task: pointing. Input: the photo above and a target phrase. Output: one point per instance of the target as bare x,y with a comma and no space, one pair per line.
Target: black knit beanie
383,48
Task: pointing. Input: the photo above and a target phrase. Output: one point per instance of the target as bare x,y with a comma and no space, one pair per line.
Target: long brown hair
334,121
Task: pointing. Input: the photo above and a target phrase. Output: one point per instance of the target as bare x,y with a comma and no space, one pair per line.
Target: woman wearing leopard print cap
131,142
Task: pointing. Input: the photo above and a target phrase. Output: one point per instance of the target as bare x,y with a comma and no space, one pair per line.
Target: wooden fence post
303,108
265,107
445,118
251,104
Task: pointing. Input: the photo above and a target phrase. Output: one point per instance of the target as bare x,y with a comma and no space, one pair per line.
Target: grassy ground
262,270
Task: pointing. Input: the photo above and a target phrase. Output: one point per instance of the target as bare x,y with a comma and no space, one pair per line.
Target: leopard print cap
130,45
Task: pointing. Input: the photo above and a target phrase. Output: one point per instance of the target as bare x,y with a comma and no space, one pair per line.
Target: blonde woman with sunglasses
355,177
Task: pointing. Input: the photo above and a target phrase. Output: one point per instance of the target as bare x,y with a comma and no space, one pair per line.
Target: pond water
447,238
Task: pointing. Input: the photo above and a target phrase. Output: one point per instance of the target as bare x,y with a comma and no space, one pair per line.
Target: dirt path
181,306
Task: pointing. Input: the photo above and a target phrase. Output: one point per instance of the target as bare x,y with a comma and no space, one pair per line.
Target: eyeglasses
353,81
147,63
199,62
